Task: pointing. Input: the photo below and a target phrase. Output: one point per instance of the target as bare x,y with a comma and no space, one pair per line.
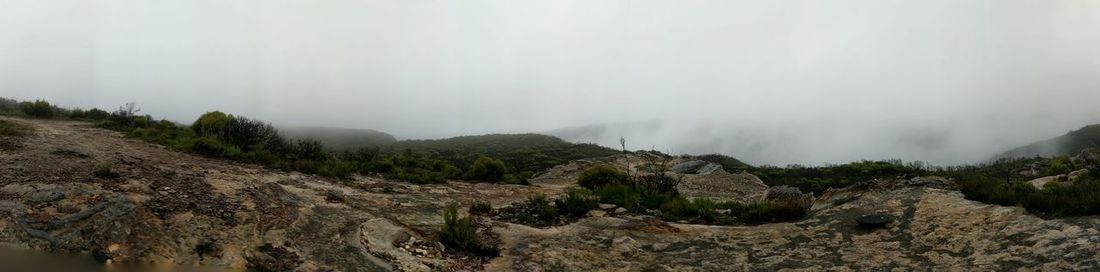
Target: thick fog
774,82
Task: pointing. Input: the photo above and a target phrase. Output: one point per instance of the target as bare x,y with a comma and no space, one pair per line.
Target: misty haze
386,135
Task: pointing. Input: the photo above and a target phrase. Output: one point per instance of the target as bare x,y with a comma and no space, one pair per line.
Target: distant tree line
488,158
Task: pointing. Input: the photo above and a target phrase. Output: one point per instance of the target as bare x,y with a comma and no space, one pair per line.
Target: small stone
607,206
45,196
660,246
620,210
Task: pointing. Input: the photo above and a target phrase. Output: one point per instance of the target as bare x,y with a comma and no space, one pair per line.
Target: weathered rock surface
169,208
935,230
723,186
696,167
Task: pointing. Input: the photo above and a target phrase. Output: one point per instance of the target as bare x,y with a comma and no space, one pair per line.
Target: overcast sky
776,82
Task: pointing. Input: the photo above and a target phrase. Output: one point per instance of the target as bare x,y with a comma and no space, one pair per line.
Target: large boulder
1089,158
1040,183
790,196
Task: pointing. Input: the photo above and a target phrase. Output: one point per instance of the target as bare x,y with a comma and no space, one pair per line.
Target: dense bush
250,134
38,109
601,175
577,202
621,195
212,124
309,149
542,209
1060,165
208,146
486,169
817,179
1069,198
77,114
419,175
97,114
8,106
11,129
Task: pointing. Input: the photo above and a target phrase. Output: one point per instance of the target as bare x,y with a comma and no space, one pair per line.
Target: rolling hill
1068,144
340,138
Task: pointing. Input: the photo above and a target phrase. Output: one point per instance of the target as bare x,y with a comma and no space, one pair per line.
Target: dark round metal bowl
875,220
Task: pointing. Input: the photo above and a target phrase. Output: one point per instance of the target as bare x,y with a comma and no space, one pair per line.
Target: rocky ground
68,188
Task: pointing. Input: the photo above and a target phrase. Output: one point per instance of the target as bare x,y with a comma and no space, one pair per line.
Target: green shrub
515,179
656,200
77,114
577,202
677,208
620,195
305,166
763,212
207,146
486,169
481,207
250,133
384,166
459,233
11,129
104,171
451,172
8,106
818,179
1080,198
309,149
37,109
419,175
542,209
1060,165
336,168
601,175
1076,198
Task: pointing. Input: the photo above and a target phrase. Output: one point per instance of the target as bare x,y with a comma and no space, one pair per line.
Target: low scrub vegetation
1056,199
489,158
652,194
37,109
480,207
104,171
818,179
9,134
11,129
486,169
600,176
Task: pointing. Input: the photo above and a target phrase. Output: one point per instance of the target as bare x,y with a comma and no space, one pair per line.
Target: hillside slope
1068,144
523,152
